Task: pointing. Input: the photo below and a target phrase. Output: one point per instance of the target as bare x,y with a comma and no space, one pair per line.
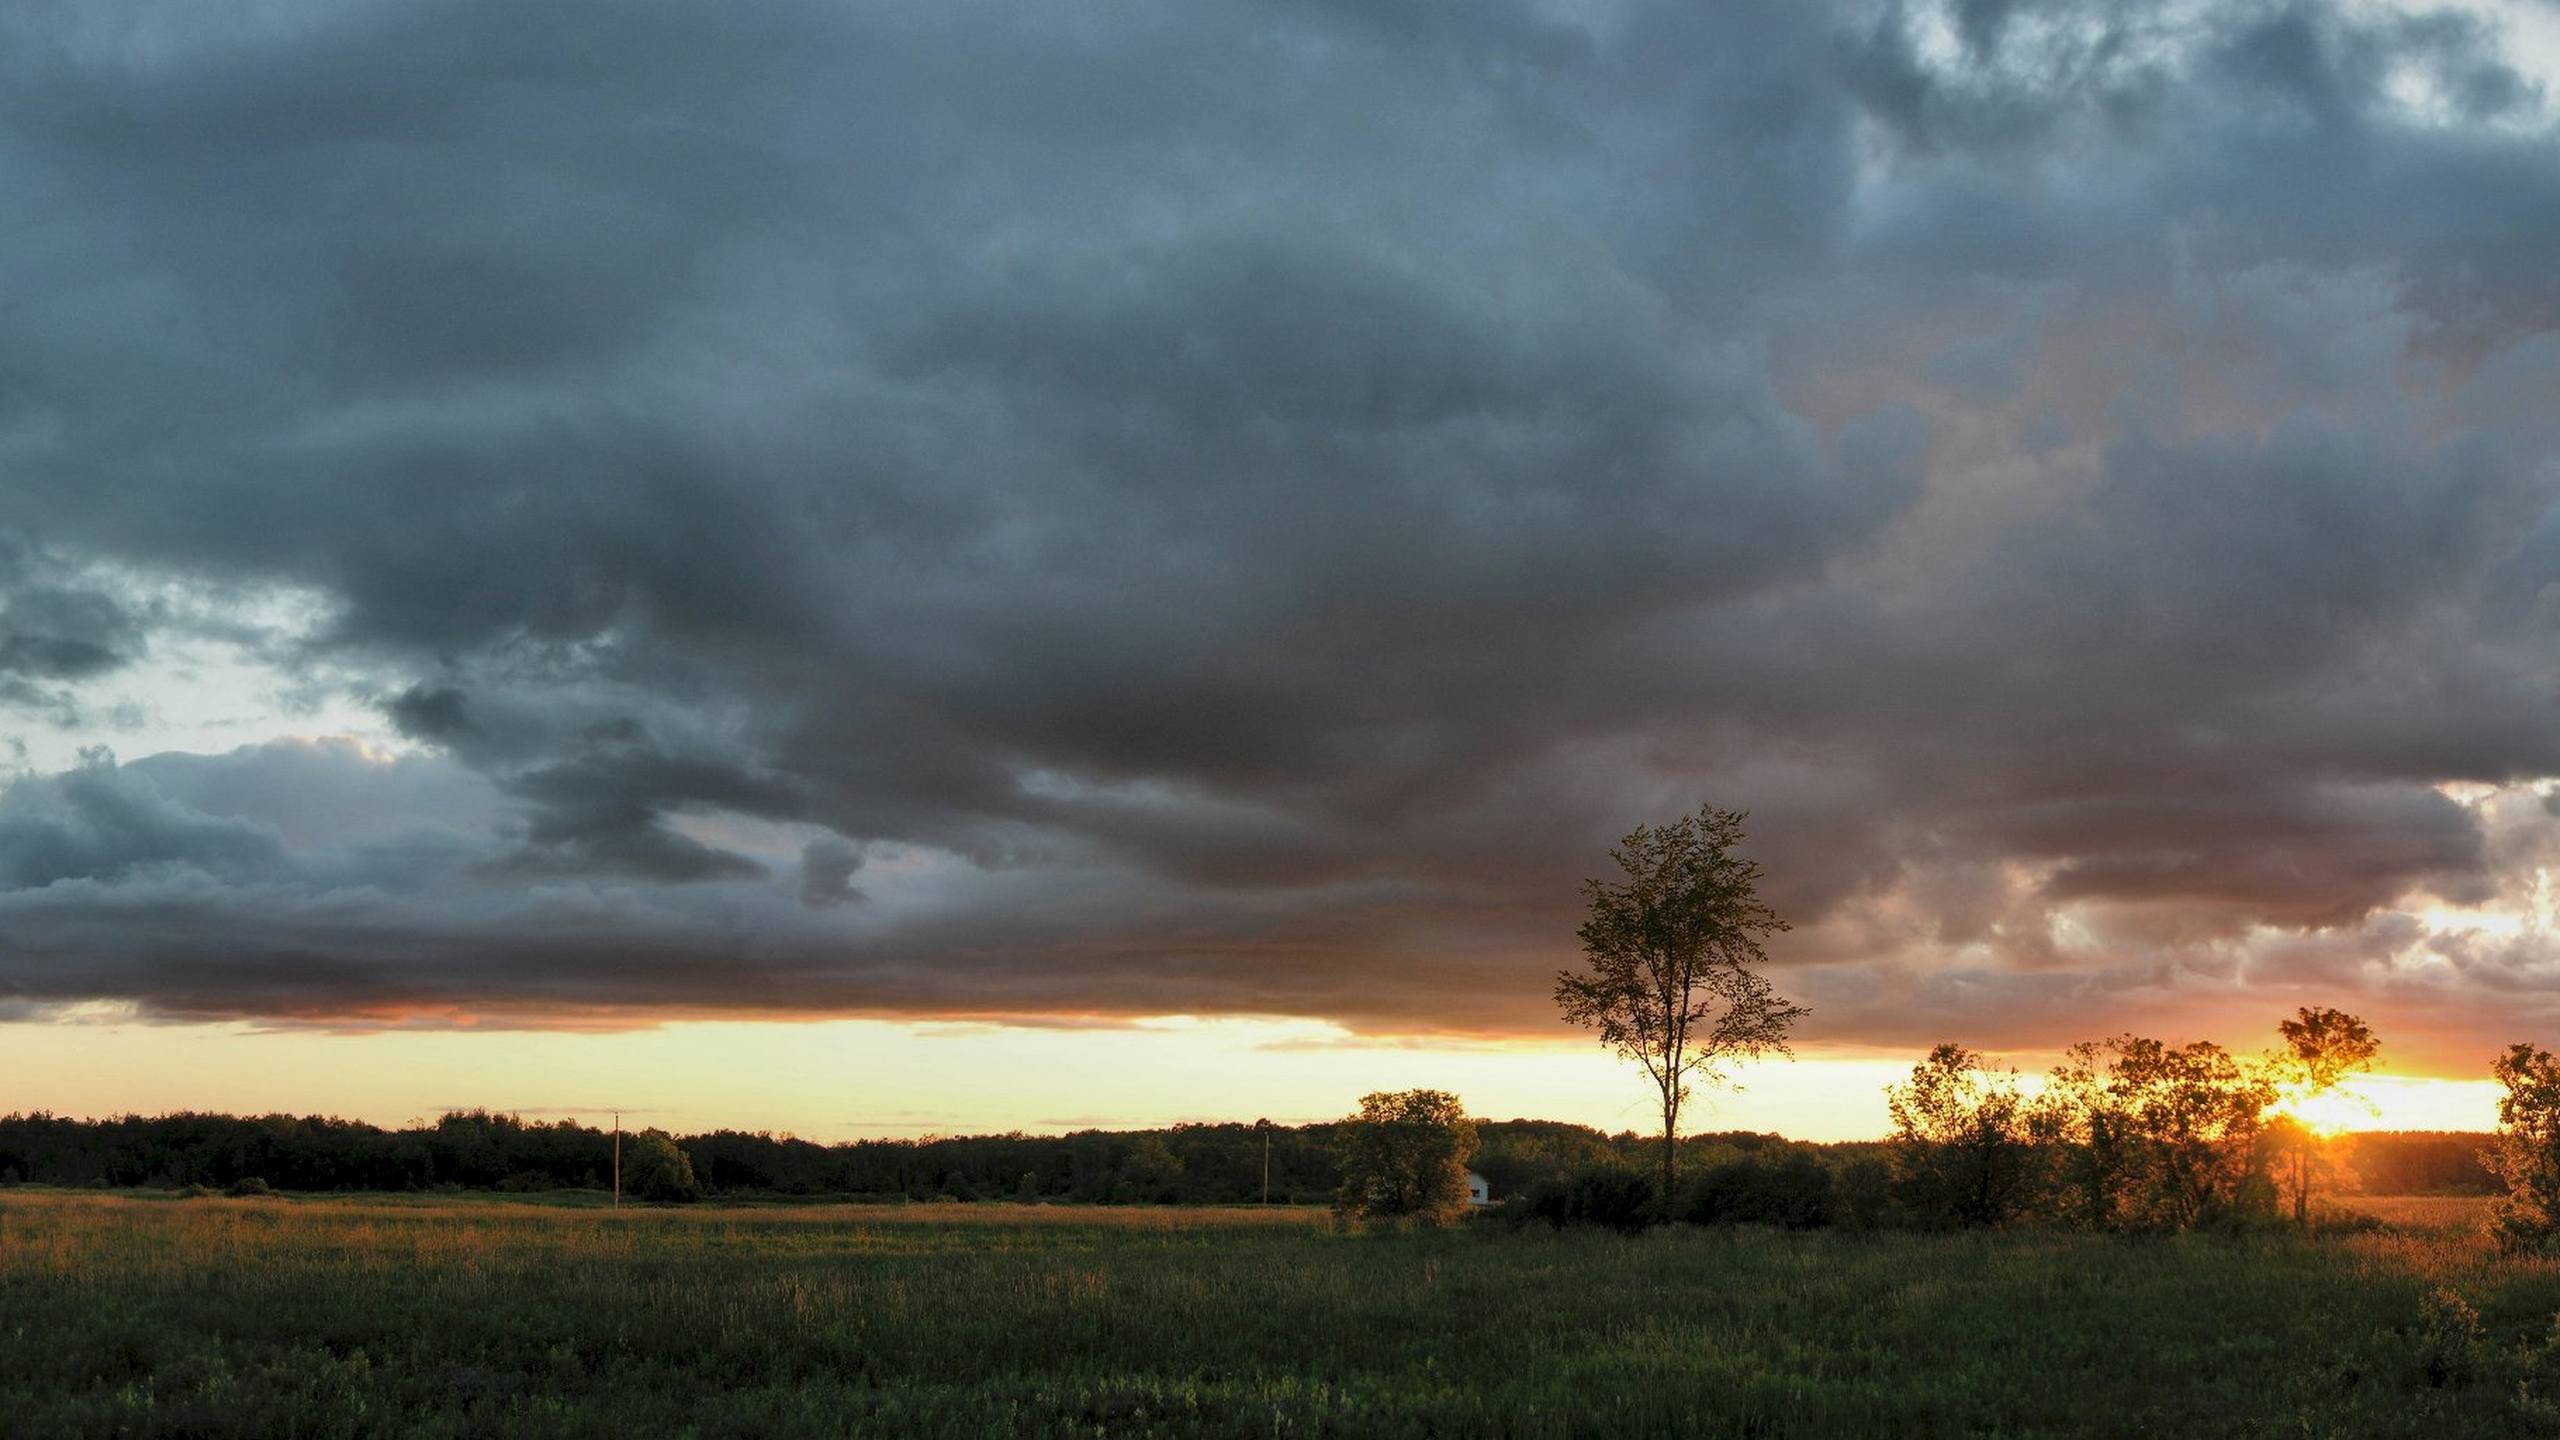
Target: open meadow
139,1314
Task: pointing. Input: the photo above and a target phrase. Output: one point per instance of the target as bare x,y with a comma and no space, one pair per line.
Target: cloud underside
1221,508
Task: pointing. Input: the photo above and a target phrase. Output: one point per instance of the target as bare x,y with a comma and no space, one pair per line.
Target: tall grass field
139,1314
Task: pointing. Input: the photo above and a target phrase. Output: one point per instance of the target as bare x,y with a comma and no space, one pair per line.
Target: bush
251,1185
524,1182
1613,1198
2450,1346
1793,1190
1550,1200
1862,1194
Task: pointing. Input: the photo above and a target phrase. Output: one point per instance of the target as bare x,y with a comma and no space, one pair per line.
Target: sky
878,569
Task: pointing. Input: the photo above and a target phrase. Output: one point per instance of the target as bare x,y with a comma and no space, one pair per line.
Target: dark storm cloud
827,868
1231,507
54,627
606,810
101,823
436,715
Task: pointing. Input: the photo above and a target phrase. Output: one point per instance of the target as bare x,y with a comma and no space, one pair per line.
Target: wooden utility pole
617,1159
1265,1127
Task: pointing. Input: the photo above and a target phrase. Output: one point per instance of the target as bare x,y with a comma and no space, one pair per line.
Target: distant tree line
1733,1174
480,1150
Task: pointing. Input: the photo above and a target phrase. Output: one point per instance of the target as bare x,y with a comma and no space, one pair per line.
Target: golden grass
2422,1212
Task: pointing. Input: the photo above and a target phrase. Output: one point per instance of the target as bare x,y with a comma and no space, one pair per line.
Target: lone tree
2322,1048
1405,1155
654,1169
1673,950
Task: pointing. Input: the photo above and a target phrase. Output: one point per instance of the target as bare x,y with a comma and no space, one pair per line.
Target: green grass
127,1316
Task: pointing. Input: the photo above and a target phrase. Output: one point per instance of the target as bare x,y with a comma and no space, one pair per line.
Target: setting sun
2337,1112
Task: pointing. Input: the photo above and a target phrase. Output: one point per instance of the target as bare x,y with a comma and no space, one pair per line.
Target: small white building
1478,1192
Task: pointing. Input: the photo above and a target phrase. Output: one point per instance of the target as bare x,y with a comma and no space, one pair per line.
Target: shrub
524,1182
1794,1190
251,1185
1549,1199
1612,1197
1862,1193
2450,1345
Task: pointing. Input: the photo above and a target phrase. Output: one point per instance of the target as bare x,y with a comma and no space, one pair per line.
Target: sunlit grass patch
2426,1212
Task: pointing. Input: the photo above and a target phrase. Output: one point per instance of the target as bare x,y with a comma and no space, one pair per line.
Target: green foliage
653,1168
1150,1172
1674,959
1964,1148
250,1186
1404,1156
2526,1154
1514,1155
2450,1347
478,1150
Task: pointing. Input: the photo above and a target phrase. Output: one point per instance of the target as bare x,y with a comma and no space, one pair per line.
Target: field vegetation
140,1314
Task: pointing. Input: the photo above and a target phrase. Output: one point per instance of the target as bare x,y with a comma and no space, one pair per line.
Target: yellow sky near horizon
837,1080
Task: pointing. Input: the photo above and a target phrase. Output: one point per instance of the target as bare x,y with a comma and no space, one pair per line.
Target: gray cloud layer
1232,506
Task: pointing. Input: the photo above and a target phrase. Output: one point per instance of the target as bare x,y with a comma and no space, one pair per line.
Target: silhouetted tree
2323,1047
1405,1155
1964,1152
2158,1137
2526,1154
1674,951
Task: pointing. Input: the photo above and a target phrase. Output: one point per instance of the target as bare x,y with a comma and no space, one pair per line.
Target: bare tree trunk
1670,1150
